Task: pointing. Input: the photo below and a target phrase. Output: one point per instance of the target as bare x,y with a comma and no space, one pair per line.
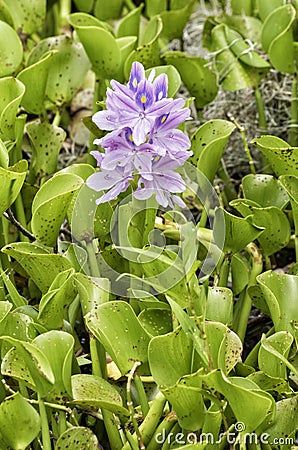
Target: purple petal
171,120
144,95
105,120
114,192
100,181
98,156
140,130
137,74
160,87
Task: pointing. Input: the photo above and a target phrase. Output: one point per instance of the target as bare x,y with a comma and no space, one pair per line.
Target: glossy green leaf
156,321
268,362
130,23
265,7
290,183
191,330
126,45
251,405
219,305
116,326
285,421
279,293
154,7
147,52
282,157
92,291
67,71
11,55
4,158
28,16
90,391
197,77
11,93
38,261
174,80
236,232
13,366
46,141
270,384
277,229
244,7
19,422
276,38
174,21
234,74
77,438
84,5
249,27
265,190
208,144
243,51
100,46
240,273
53,306
224,346
5,307
104,10
50,206
19,326
35,79
11,180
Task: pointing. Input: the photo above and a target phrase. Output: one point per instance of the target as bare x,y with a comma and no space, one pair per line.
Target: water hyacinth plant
148,303
143,140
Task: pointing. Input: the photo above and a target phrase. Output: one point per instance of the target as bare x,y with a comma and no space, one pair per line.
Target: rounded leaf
11,55
76,438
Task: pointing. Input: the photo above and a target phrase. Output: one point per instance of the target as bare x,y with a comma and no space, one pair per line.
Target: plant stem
130,405
94,270
229,188
295,219
45,432
62,422
245,144
245,307
293,135
142,395
129,4
163,429
224,271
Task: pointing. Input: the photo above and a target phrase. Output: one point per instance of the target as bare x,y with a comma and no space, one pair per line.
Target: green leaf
35,79
19,422
130,23
77,438
38,261
219,305
11,93
116,326
197,77
277,229
276,38
251,405
46,141
285,421
54,304
208,144
268,362
4,158
266,7
234,231
154,7
240,273
147,52
84,5
249,27
244,7
126,45
100,45
265,190
279,293
50,206
90,391
67,71
11,55
174,80
174,21
156,321
282,157
104,10
92,291
234,74
28,16
11,180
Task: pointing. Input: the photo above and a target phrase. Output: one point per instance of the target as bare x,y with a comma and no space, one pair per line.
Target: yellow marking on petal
163,119
130,138
135,82
157,158
143,99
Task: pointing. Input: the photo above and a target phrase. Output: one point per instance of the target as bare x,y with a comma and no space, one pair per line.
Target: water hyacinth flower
143,140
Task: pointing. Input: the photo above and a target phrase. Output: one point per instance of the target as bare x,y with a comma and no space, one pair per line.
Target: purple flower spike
143,140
